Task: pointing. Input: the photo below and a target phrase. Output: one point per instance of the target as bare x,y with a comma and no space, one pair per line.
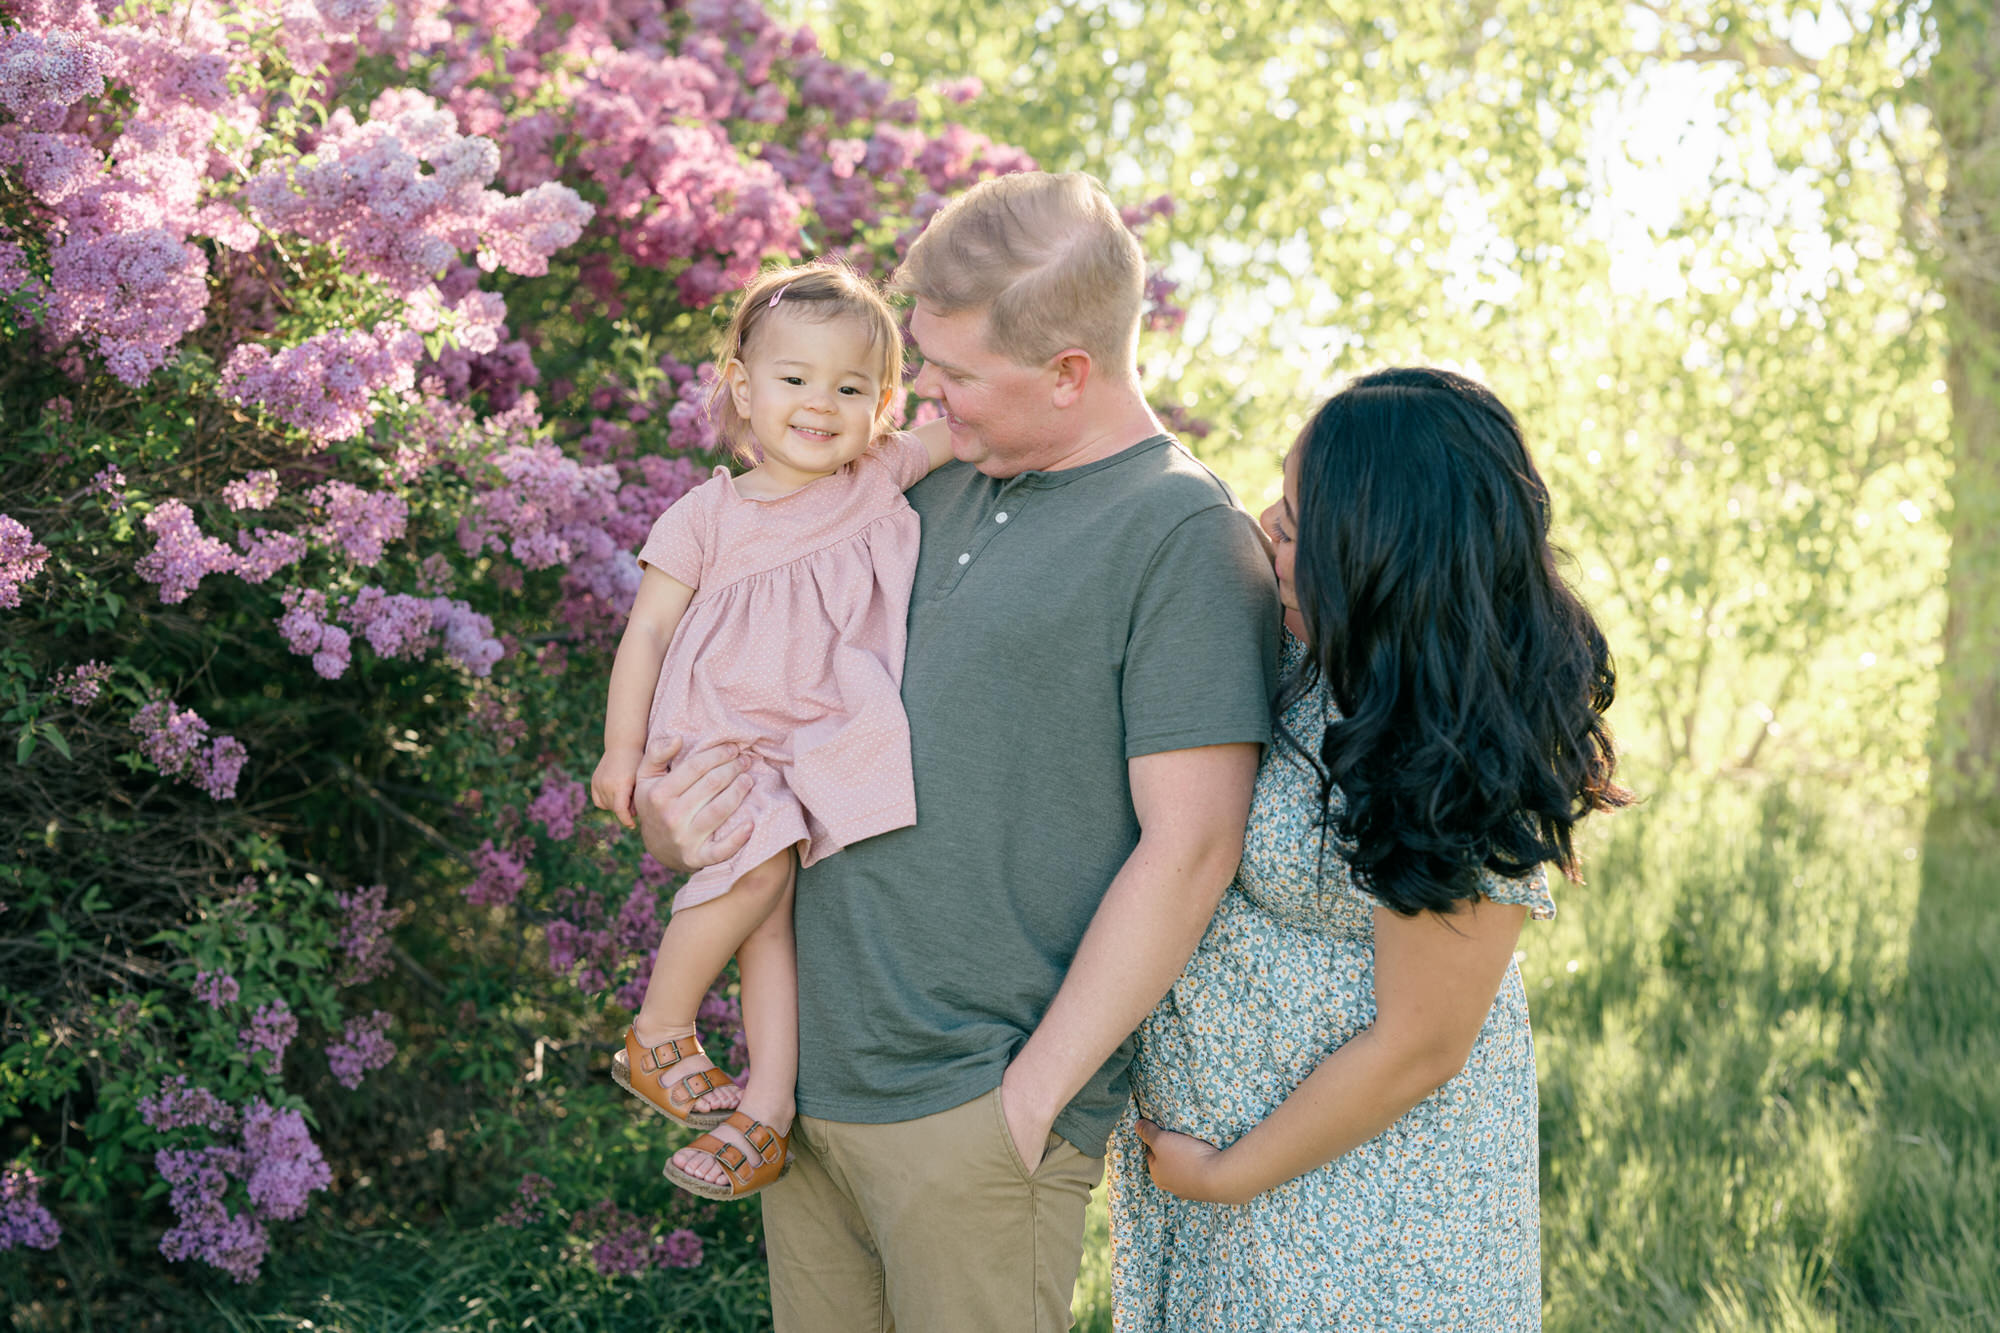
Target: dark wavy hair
1471,681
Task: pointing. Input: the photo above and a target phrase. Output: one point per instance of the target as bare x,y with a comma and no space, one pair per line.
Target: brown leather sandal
670,1097
774,1150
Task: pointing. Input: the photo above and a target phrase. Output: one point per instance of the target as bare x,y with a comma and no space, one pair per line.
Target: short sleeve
680,537
1530,891
905,457
1201,662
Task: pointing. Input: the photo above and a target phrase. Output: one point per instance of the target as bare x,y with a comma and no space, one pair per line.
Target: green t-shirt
1062,623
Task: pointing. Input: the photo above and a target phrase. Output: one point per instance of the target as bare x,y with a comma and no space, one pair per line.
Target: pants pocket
1021,1168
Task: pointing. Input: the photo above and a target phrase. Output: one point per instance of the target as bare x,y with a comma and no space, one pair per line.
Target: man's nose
925,384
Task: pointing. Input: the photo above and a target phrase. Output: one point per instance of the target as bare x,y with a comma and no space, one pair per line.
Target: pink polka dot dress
792,651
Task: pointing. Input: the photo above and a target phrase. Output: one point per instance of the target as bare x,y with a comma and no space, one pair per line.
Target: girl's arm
1435,979
935,436
635,674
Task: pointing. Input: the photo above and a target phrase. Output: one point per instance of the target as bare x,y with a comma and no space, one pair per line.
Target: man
1091,656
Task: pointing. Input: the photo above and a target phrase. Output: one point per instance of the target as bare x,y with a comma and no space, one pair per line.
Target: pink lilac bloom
960,91
364,1045
680,1248
108,482
266,552
217,768
215,989
81,685
364,933
42,74
359,522
561,799
533,1191
254,490
270,1031
395,624
499,877
21,558
325,386
182,555
24,1221
307,632
131,294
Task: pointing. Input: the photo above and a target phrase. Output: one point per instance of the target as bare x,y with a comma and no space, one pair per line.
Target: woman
1337,1098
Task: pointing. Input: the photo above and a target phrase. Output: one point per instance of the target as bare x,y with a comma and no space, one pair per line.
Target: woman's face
1281,520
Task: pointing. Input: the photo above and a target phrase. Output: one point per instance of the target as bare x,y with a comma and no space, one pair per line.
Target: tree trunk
1964,96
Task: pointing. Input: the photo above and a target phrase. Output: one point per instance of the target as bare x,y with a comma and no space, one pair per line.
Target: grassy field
1769,1045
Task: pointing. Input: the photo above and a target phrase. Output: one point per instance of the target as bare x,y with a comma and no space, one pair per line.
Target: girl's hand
611,786
1185,1165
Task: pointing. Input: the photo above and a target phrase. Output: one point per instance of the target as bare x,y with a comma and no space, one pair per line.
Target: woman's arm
1435,980
635,674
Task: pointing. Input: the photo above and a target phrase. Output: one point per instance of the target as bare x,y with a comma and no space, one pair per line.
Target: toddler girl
771,617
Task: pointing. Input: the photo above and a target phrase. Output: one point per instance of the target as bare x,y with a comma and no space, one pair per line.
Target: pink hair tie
779,297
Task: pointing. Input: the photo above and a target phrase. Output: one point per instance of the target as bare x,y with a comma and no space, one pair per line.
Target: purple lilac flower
530,1194
270,1031
266,552
364,1045
364,934
176,740
359,522
256,490
179,1106
307,632
205,1229
182,555
216,989
560,801
81,685
21,558
285,1165
108,482
500,876
678,1249
23,1219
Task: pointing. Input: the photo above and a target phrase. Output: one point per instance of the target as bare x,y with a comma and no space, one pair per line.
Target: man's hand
1027,1121
1182,1164
682,807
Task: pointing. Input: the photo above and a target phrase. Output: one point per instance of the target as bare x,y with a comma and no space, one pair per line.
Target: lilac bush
354,345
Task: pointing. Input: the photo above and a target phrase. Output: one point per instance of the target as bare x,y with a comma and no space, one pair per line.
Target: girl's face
1281,520
811,391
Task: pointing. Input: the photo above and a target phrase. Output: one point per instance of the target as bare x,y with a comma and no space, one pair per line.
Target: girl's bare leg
769,966
694,948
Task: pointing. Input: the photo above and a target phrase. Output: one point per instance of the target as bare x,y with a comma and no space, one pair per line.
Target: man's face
997,408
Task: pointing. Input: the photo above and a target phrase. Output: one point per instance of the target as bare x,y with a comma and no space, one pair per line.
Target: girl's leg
694,948
769,966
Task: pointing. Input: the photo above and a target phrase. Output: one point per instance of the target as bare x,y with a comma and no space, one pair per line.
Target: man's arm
1192,805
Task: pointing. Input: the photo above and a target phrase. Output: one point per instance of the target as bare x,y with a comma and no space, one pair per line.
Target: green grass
1769,1045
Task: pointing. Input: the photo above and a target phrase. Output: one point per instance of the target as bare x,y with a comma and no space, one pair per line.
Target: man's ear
1072,367
738,379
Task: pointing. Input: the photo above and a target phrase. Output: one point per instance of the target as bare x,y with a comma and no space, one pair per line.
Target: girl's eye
792,379
849,388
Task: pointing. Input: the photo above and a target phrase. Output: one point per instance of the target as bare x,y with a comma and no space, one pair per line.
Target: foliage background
1706,251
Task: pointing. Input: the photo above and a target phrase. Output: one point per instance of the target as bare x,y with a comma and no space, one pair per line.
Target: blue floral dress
1433,1224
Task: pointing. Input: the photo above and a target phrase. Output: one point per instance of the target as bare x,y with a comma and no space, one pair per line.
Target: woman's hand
1185,1165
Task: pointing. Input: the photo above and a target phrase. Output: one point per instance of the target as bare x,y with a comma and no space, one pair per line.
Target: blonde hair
822,290
1048,259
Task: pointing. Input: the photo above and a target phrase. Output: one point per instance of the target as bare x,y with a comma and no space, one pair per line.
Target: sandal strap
699,1085
678,1049
771,1146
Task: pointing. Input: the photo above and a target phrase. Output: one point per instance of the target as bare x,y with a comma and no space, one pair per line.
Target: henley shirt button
1000,517
965,558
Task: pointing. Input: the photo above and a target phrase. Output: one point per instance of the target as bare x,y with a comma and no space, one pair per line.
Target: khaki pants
932,1225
